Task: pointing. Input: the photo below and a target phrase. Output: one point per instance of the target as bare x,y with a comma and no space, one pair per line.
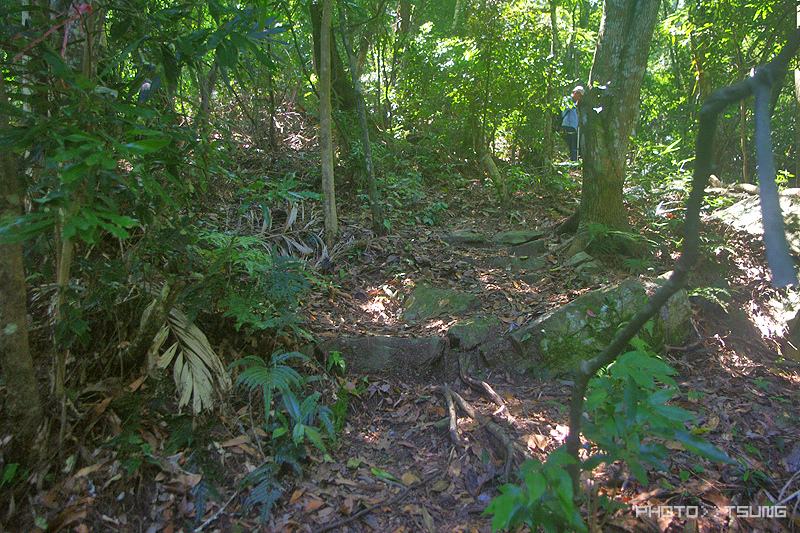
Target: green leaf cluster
630,418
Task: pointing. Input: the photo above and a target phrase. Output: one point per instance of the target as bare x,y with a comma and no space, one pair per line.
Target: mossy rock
470,333
426,303
558,340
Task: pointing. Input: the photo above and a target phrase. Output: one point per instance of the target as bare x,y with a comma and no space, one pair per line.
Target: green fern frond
265,489
289,454
308,408
200,493
327,418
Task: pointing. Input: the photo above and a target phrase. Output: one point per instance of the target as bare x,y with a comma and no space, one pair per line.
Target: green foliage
629,419
298,421
258,289
546,499
434,214
336,362
10,474
716,295
277,378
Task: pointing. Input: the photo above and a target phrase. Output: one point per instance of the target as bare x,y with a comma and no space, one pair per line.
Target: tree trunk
23,406
325,130
456,13
374,202
743,133
797,118
496,179
609,109
345,98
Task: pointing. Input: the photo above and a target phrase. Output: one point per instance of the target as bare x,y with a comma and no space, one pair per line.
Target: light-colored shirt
569,112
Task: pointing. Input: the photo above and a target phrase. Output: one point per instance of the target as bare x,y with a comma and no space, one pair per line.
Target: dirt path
397,466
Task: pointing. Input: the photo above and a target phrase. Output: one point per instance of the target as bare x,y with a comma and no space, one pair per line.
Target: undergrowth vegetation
169,216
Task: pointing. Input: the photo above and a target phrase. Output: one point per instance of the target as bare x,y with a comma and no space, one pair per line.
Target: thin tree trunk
23,406
342,90
325,135
742,68
456,13
555,44
496,179
374,202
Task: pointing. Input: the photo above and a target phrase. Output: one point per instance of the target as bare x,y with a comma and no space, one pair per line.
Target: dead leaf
313,505
326,512
133,387
297,494
454,469
86,470
342,481
536,442
236,441
347,507
440,485
409,479
428,519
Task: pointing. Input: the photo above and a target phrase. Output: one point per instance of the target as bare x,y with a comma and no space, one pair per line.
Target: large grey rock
388,355
465,237
426,302
468,334
745,215
532,248
577,259
559,339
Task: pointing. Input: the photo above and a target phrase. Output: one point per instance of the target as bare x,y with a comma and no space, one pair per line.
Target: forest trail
398,465
399,469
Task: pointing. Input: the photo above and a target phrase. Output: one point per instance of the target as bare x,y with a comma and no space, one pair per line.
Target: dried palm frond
198,372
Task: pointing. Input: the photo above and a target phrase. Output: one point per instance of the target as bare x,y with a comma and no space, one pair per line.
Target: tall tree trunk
743,133
609,109
555,47
555,43
23,406
374,202
325,133
456,13
345,98
797,118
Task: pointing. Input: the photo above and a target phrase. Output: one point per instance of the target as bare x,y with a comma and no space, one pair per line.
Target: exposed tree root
513,452
480,386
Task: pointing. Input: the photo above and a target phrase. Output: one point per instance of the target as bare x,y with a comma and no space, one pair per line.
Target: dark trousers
570,136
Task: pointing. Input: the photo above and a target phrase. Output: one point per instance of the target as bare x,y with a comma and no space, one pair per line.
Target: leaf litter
396,467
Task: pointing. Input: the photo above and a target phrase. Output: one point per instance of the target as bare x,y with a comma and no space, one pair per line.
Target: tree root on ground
480,386
513,452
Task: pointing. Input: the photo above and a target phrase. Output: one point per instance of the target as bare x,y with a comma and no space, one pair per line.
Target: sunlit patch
773,317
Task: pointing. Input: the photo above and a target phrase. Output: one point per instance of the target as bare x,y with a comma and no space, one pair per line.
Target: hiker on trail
569,121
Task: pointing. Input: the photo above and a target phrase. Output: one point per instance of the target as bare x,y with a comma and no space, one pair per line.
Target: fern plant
289,427
269,377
